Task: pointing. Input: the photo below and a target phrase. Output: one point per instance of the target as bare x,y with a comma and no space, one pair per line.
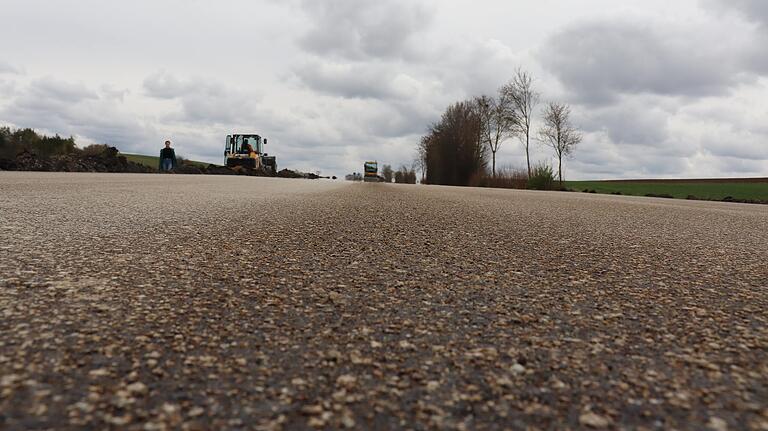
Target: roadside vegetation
745,190
13,142
461,148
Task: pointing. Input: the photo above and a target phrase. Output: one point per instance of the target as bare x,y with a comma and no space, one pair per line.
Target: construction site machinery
248,151
371,172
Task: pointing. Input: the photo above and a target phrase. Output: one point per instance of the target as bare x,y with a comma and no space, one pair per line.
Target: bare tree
524,100
499,122
421,158
387,173
405,175
559,134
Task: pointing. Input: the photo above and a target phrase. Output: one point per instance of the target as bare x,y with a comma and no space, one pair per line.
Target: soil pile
287,173
106,161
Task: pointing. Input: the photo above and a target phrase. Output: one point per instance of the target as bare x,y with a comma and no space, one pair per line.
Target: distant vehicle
248,151
371,170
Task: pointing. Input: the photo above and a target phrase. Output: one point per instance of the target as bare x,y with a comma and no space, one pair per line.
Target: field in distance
154,161
751,189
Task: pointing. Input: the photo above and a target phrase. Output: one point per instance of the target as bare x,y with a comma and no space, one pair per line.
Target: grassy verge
154,161
709,190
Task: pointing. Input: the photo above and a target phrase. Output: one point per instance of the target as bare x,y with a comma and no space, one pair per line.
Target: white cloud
600,61
8,68
364,29
356,80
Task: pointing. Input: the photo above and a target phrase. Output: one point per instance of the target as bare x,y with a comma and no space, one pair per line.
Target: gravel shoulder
204,302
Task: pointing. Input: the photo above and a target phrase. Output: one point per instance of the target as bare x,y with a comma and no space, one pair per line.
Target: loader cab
238,144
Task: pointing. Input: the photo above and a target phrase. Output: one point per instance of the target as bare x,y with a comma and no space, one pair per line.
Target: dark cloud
364,29
752,10
638,121
756,13
600,61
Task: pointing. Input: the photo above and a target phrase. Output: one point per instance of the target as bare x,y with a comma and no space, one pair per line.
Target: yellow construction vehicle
371,172
248,151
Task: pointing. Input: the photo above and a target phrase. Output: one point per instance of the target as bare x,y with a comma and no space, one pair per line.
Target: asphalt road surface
199,302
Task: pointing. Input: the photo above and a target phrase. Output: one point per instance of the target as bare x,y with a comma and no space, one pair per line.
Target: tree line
13,142
457,149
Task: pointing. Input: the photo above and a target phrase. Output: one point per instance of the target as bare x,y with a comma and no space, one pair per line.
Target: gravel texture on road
198,302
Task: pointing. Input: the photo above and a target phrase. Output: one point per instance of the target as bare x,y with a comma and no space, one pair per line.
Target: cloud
54,90
633,121
752,10
203,102
357,81
66,108
476,66
8,68
364,29
754,26
7,88
599,61
162,85
601,158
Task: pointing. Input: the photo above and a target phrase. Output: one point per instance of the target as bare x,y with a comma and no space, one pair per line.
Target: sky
659,88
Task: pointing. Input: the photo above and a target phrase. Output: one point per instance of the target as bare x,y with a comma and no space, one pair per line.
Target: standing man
167,158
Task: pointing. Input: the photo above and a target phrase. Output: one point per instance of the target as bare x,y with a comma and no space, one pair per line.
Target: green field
698,189
154,161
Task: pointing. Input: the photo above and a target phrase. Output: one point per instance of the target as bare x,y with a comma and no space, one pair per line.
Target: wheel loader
371,172
248,151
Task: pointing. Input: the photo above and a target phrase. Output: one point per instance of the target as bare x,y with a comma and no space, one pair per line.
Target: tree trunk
527,154
560,170
494,163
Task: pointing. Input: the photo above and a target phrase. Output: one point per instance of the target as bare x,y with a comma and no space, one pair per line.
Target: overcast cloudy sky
661,88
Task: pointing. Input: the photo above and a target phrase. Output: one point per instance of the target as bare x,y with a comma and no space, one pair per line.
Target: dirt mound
189,169
107,161
219,170
287,173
